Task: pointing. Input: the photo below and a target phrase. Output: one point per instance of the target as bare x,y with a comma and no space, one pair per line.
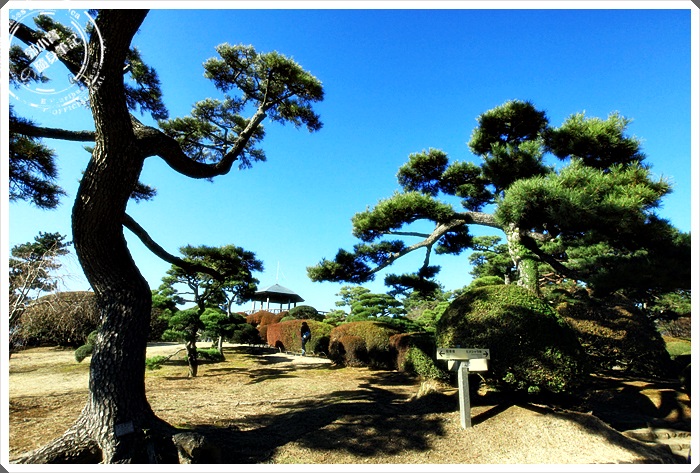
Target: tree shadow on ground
622,403
364,422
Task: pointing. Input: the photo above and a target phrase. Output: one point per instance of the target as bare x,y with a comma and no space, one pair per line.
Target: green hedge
532,348
210,354
419,362
401,343
86,350
305,312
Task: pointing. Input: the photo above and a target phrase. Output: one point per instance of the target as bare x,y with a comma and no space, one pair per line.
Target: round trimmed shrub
376,338
246,333
84,351
286,336
532,348
349,350
305,312
616,334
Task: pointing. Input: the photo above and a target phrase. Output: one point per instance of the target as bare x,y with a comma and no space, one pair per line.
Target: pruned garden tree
578,198
117,424
370,305
236,286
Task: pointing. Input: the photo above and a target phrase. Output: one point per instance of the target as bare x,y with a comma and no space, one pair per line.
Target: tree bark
117,417
524,260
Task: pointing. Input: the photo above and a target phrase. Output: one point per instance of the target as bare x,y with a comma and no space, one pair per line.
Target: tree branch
439,232
56,133
154,142
529,243
30,36
415,234
159,251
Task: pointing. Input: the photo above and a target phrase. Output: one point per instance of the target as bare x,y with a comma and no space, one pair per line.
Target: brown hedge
287,336
262,317
269,318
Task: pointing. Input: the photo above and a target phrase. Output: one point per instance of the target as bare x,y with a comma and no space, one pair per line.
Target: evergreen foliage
32,168
305,312
532,348
419,362
84,351
589,219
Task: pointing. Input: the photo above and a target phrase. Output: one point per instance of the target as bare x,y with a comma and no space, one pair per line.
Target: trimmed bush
349,350
262,332
246,333
415,353
401,343
418,362
305,312
532,348
210,354
376,337
287,336
83,352
255,318
268,318
614,333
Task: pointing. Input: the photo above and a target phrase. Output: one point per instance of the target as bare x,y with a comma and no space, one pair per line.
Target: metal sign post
465,359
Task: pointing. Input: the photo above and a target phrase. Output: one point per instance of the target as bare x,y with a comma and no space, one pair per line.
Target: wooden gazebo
276,294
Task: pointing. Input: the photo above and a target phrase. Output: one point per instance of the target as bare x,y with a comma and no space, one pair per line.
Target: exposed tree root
158,443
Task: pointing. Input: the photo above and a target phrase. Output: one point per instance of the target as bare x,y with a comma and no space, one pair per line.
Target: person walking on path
305,337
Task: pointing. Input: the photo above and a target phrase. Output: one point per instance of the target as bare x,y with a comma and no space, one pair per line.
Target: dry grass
272,408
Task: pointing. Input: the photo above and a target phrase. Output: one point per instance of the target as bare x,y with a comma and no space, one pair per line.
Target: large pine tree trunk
117,417
525,262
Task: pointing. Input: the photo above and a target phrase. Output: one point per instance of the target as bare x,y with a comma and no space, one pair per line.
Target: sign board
477,364
473,365
464,361
463,353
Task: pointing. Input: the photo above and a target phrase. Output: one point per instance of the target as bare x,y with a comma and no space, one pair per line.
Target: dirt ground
273,408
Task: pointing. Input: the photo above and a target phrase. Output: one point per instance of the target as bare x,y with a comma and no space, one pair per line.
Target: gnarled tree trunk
117,419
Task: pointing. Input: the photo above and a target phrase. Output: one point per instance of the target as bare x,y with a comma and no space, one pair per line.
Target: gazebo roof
277,294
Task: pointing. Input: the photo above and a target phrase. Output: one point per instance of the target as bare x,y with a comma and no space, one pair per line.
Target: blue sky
396,82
